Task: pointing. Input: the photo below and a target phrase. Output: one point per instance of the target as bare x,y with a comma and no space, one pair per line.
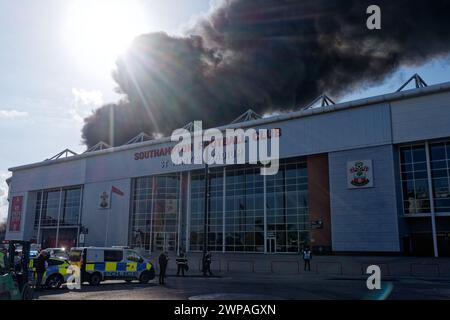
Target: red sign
16,213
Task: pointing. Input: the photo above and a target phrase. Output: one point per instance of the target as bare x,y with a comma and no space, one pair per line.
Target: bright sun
97,31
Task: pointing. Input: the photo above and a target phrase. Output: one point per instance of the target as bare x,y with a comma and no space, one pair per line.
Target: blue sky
47,85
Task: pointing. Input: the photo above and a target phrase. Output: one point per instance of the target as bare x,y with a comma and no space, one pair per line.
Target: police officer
181,263
307,256
40,267
207,264
163,258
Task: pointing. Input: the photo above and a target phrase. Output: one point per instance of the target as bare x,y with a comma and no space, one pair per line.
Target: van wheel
95,279
54,281
145,277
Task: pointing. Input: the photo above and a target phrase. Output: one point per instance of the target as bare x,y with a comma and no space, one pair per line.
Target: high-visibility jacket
2,260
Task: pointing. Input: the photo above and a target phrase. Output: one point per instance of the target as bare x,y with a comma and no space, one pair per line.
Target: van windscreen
75,255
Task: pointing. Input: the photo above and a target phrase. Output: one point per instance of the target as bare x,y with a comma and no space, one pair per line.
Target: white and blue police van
111,263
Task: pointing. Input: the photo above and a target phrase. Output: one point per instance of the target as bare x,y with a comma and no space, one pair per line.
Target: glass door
271,245
165,241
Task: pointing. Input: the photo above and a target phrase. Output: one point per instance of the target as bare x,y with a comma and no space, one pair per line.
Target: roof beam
419,82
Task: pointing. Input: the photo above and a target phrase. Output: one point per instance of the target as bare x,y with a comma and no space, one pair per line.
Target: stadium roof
326,105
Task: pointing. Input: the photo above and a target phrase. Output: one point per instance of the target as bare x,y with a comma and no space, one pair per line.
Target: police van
98,264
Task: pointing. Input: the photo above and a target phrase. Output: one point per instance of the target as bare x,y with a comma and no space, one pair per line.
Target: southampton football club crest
359,174
104,200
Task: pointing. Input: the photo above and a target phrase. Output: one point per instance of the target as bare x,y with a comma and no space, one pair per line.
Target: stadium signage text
207,147
165,151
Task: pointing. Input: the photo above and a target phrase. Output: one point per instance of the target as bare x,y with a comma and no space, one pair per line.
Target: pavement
292,264
255,286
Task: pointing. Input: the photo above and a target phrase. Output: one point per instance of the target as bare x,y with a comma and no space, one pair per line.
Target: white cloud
87,97
84,101
11,114
3,194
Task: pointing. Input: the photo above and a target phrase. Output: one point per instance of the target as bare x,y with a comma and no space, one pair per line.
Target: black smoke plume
268,55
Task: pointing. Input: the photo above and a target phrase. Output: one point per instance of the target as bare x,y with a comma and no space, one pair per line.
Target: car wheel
54,281
27,293
95,279
144,278
151,273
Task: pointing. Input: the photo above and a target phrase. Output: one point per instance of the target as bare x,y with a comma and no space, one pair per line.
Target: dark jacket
207,259
39,263
162,260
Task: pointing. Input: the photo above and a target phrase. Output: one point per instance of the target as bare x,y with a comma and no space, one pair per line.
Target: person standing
163,259
207,264
3,262
307,256
181,263
40,266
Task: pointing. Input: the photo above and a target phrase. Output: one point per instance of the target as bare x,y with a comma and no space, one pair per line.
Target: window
286,208
155,210
133,256
215,223
440,173
414,180
244,210
70,207
113,255
287,205
58,207
142,202
75,255
54,262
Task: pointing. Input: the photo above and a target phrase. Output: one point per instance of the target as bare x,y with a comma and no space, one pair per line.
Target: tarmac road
256,287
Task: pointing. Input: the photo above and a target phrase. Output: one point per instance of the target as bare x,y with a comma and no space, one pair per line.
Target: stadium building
369,176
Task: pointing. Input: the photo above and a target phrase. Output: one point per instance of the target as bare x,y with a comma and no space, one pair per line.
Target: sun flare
97,31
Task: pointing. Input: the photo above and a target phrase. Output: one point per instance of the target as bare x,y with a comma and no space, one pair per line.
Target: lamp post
206,210
205,218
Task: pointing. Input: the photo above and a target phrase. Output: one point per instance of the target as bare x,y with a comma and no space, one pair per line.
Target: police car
56,273
98,264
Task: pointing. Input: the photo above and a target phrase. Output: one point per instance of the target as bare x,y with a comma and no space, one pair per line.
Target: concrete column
319,199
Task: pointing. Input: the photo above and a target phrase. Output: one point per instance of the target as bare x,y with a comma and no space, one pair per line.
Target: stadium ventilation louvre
99,146
321,101
141,137
63,154
248,115
419,82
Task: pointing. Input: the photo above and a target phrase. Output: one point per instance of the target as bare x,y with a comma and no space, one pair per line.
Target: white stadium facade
369,176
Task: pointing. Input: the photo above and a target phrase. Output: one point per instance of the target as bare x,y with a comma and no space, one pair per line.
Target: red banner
16,213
